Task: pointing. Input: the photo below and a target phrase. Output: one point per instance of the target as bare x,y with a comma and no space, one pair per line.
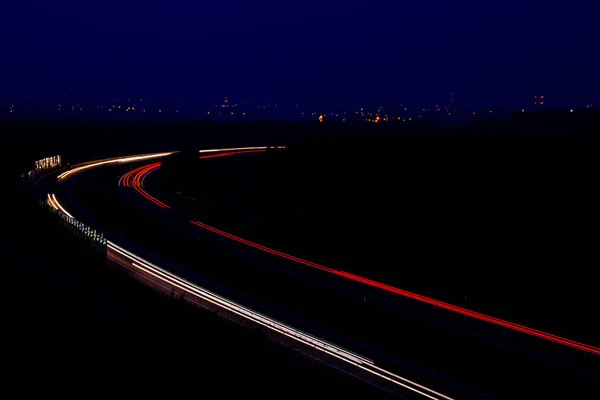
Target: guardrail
92,237
340,358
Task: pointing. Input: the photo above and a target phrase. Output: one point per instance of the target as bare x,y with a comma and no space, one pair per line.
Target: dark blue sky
488,52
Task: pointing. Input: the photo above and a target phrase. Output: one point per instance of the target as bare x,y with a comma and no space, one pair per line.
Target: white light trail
244,312
302,337
228,304
51,202
113,161
60,206
235,149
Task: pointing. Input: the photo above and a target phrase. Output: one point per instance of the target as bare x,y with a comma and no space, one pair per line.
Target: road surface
316,306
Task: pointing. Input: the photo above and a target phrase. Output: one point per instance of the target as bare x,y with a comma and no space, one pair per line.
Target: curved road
397,319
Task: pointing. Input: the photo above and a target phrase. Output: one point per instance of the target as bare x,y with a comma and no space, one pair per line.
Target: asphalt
458,356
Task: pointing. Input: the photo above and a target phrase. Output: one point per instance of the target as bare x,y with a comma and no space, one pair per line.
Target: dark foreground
76,326
75,321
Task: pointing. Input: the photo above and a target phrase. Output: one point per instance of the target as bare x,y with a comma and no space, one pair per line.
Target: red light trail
405,293
135,178
231,153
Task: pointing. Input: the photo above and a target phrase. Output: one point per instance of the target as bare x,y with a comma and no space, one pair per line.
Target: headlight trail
405,293
356,360
51,202
237,149
60,206
135,178
112,161
162,276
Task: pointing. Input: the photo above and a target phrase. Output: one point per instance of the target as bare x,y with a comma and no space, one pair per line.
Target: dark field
497,217
504,224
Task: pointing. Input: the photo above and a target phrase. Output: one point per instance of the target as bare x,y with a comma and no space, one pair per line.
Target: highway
372,350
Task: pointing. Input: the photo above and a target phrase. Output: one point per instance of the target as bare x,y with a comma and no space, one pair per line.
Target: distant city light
571,110
320,118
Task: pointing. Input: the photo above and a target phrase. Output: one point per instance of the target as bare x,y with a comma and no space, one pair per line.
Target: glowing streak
142,171
235,149
194,289
60,206
51,202
231,153
134,179
323,346
405,293
113,161
335,351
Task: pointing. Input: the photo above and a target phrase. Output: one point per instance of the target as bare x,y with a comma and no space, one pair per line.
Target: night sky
487,52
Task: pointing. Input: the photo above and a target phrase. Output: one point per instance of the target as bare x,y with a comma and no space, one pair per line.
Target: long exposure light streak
231,153
290,332
61,207
134,179
437,303
166,277
112,161
405,293
237,149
